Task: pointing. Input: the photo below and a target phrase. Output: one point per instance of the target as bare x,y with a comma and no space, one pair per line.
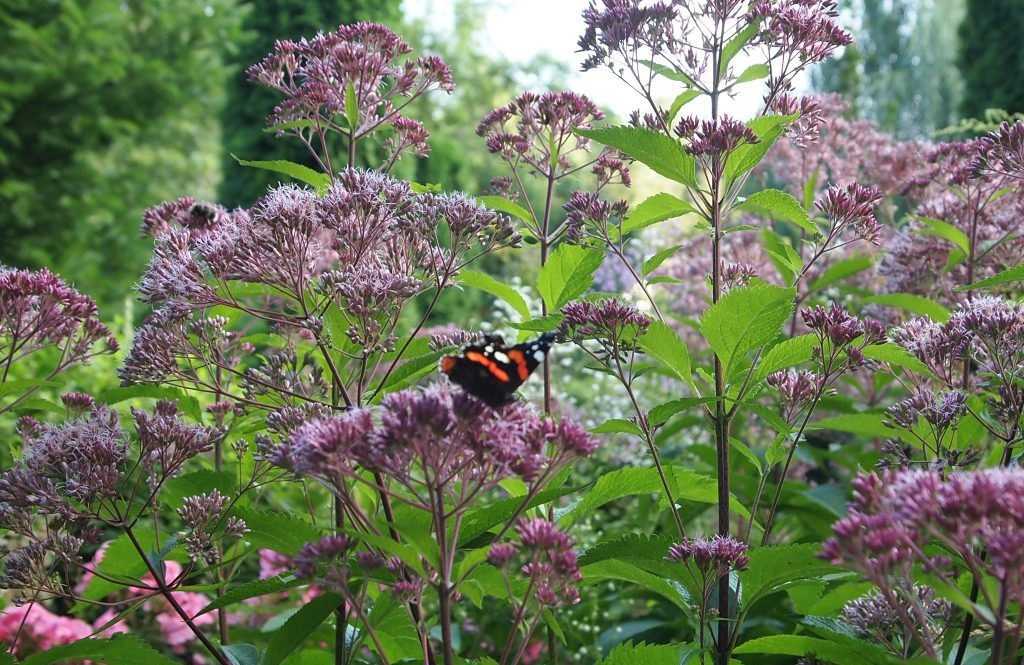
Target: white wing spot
500,357
538,356
489,349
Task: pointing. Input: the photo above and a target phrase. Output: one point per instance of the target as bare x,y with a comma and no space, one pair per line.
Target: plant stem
169,597
544,229
721,418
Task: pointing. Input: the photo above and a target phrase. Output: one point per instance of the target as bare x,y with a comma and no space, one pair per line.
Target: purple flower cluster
880,616
359,72
427,439
538,130
603,319
204,516
367,246
797,388
1002,152
708,138
546,557
852,207
39,310
711,557
837,326
895,517
804,29
615,27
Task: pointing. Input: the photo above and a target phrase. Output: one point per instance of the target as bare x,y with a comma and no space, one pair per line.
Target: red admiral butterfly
491,371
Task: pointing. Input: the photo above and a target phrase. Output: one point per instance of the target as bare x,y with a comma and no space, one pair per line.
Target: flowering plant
303,488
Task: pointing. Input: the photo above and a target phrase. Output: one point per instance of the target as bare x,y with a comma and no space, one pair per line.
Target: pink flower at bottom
42,628
173,628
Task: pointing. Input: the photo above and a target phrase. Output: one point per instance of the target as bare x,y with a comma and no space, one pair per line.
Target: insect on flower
491,371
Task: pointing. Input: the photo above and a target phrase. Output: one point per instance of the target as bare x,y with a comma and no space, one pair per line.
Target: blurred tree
901,70
990,58
106,107
248,104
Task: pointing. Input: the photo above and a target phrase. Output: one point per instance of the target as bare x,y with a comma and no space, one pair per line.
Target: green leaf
479,520
776,204
299,627
1008,276
283,532
540,324
661,413
411,371
864,424
787,353
395,629
662,342
773,568
631,481
911,303
121,561
746,319
854,652
242,654
618,426
498,289
735,45
615,569
123,649
654,210
509,207
670,73
654,262
195,483
896,356
568,273
649,654
681,100
351,107
254,589
754,73
940,229
663,155
782,255
318,181
768,129
840,270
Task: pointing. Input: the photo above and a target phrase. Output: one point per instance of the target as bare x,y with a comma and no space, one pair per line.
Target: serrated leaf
254,589
782,255
618,426
282,532
498,289
318,181
540,324
650,654
1008,276
654,210
299,627
661,413
787,353
660,153
912,303
681,100
662,342
194,483
770,569
568,273
507,206
864,424
122,649
745,319
479,520
735,45
946,231
859,653
351,107
778,205
896,356
768,129
754,73
654,262
615,569
840,270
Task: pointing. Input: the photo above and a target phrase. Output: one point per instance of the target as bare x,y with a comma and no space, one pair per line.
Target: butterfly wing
493,372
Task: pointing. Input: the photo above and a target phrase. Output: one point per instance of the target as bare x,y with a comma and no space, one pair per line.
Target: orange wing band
491,366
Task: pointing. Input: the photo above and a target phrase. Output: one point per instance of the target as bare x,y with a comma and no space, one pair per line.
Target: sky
522,29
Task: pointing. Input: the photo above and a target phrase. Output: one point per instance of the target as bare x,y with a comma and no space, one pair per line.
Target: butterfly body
491,371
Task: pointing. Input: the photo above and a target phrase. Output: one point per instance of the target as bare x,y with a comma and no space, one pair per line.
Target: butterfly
491,371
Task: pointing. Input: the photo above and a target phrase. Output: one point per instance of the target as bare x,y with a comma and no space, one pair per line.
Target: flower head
538,129
713,556
609,319
852,207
